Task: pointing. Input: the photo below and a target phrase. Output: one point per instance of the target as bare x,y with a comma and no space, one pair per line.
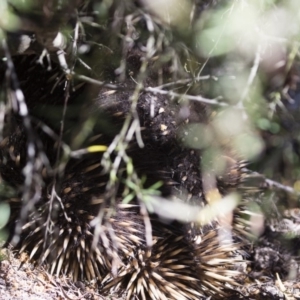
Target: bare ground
22,281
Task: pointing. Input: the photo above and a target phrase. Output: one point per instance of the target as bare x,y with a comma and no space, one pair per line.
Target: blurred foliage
240,58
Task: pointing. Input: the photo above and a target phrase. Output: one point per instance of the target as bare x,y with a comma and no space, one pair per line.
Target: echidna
164,271
57,230
179,265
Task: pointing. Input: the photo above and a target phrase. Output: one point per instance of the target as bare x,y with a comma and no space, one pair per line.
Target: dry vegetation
150,149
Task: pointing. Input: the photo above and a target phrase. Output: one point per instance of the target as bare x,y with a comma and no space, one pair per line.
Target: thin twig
188,97
35,158
186,81
155,90
266,183
251,77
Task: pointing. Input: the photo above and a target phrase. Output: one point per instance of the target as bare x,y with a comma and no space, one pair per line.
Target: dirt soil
22,281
